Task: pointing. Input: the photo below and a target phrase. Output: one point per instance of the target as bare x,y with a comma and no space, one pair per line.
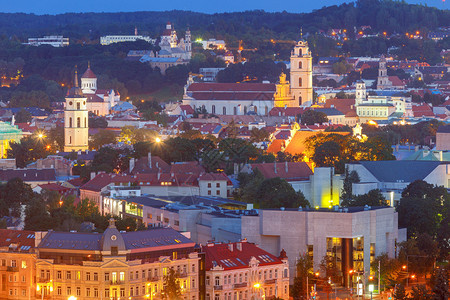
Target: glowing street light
72,298
257,285
158,140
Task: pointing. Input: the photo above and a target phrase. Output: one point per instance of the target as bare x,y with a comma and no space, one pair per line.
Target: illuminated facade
116,265
301,74
8,134
242,270
76,127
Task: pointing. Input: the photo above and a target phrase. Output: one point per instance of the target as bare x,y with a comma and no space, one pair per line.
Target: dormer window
114,251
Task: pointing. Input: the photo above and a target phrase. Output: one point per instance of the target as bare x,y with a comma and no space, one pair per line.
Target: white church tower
383,81
361,94
188,43
76,128
301,74
89,81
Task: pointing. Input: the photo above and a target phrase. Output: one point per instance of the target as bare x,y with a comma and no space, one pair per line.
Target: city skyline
58,7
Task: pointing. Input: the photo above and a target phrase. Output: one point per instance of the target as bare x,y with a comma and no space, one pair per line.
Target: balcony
42,280
154,278
12,269
183,274
116,282
240,285
218,287
270,281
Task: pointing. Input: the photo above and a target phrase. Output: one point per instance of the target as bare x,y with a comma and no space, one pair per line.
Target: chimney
239,246
92,175
132,162
286,167
230,247
149,156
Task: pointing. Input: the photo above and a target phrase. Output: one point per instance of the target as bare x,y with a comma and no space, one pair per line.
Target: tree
327,154
277,192
304,269
329,268
23,116
171,288
14,193
441,286
421,208
311,117
103,137
347,189
372,198
36,216
400,293
420,292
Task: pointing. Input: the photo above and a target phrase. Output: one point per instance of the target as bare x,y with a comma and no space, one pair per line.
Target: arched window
255,109
70,139
300,65
224,110
213,109
70,122
245,110
299,81
235,110
300,100
78,122
78,105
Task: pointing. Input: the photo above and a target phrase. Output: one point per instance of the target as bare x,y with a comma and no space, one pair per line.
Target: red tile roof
346,106
93,98
187,168
297,144
158,165
22,240
97,183
187,109
291,171
288,111
232,87
236,255
423,110
276,146
396,81
232,96
215,177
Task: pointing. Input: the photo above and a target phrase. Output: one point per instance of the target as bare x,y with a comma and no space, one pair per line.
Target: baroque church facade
256,98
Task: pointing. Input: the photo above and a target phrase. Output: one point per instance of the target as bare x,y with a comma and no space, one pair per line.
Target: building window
218,184
218,193
213,109
95,276
95,292
106,276
299,81
68,275
300,65
114,251
78,291
209,192
78,122
88,275
59,275
24,264
217,280
209,185
13,263
122,276
88,292
78,275
234,111
59,290
107,293
70,122
224,110
207,281
122,292
68,291
78,105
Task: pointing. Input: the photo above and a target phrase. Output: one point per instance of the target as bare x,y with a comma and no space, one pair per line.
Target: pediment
114,263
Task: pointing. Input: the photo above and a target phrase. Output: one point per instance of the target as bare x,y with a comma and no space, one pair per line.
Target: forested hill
386,15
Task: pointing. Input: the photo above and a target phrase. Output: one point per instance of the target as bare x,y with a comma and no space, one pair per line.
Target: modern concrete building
52,40
351,236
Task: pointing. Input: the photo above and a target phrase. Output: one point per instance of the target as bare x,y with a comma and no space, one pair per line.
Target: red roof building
245,270
423,110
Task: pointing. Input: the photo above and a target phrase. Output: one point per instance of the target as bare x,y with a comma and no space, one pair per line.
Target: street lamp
371,290
158,140
72,298
350,272
258,286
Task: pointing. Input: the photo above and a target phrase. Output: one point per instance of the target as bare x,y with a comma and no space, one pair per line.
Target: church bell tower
301,74
76,129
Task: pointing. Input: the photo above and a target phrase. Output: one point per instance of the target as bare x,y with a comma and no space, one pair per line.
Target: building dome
112,239
88,73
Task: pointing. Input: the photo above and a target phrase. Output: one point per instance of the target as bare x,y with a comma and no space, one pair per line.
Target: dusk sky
208,6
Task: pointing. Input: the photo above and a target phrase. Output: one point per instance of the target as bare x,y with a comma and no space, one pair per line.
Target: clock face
70,103
113,238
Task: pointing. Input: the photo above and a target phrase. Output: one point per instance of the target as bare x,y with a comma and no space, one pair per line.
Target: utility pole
379,277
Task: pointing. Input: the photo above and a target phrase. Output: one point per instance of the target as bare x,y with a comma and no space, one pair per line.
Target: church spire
76,77
301,33
89,64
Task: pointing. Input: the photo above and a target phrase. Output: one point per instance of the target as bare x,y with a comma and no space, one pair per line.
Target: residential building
209,74
111,39
242,270
116,265
443,138
17,264
393,176
52,40
213,44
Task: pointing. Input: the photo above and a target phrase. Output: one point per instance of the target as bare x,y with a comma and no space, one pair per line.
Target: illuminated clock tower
301,74
76,129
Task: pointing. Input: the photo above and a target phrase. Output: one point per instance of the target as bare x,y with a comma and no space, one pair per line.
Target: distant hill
391,16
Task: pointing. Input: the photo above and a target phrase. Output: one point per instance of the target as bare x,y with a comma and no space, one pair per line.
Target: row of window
235,109
13,263
243,277
78,122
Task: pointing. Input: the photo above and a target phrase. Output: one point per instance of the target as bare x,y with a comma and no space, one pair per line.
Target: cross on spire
76,76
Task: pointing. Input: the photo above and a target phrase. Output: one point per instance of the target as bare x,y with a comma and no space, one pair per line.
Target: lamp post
258,287
371,290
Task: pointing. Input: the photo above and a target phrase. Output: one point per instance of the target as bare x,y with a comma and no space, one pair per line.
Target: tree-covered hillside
386,15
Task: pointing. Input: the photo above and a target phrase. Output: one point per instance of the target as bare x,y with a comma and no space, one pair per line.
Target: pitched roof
400,170
232,96
22,240
291,171
89,74
287,111
158,165
97,183
423,110
329,111
232,87
396,81
236,255
297,144
93,98
28,175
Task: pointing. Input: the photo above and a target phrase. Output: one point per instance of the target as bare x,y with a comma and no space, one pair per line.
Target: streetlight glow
257,285
72,298
158,140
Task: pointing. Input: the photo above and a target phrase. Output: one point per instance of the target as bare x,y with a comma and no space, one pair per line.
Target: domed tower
76,129
301,74
187,40
89,81
383,81
112,242
360,95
